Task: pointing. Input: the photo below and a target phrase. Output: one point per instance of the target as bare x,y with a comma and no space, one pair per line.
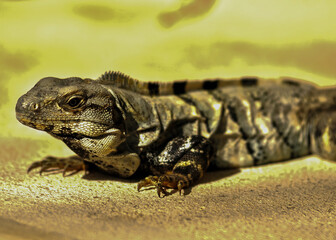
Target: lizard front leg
177,165
123,165
52,164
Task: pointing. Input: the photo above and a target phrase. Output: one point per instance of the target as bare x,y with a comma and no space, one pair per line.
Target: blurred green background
160,40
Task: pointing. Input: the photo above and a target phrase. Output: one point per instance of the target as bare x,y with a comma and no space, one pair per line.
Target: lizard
172,132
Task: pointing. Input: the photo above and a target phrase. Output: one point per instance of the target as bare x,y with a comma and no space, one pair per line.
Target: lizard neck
142,125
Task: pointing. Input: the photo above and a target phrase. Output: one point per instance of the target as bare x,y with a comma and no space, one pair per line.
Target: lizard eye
75,101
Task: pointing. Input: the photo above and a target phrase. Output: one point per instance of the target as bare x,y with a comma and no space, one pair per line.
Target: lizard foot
161,183
51,164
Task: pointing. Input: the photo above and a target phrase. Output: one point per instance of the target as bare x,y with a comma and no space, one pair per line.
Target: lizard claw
34,165
148,181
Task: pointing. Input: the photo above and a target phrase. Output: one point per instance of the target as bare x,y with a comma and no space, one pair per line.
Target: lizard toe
164,182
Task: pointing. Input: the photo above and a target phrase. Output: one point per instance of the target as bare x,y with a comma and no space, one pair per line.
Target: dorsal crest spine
123,81
153,88
115,78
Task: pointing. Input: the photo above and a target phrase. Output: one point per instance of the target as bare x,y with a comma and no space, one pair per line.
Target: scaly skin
174,131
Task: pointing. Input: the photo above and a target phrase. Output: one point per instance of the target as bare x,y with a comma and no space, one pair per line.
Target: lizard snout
26,111
25,105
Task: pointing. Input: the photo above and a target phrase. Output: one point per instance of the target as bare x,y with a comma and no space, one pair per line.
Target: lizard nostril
34,106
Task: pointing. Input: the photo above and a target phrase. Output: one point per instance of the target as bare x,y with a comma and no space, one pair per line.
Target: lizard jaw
60,127
36,124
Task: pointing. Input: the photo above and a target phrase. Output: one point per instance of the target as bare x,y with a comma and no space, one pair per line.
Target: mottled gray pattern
248,122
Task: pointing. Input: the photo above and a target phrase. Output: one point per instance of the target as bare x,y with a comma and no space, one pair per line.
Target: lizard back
250,121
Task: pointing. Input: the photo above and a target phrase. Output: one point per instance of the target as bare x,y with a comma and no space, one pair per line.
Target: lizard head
69,107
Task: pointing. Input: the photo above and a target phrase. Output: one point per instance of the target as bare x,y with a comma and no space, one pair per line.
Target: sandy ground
162,40
290,200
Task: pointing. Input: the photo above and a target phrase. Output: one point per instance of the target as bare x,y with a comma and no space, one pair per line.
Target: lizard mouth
28,120
39,124
64,127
